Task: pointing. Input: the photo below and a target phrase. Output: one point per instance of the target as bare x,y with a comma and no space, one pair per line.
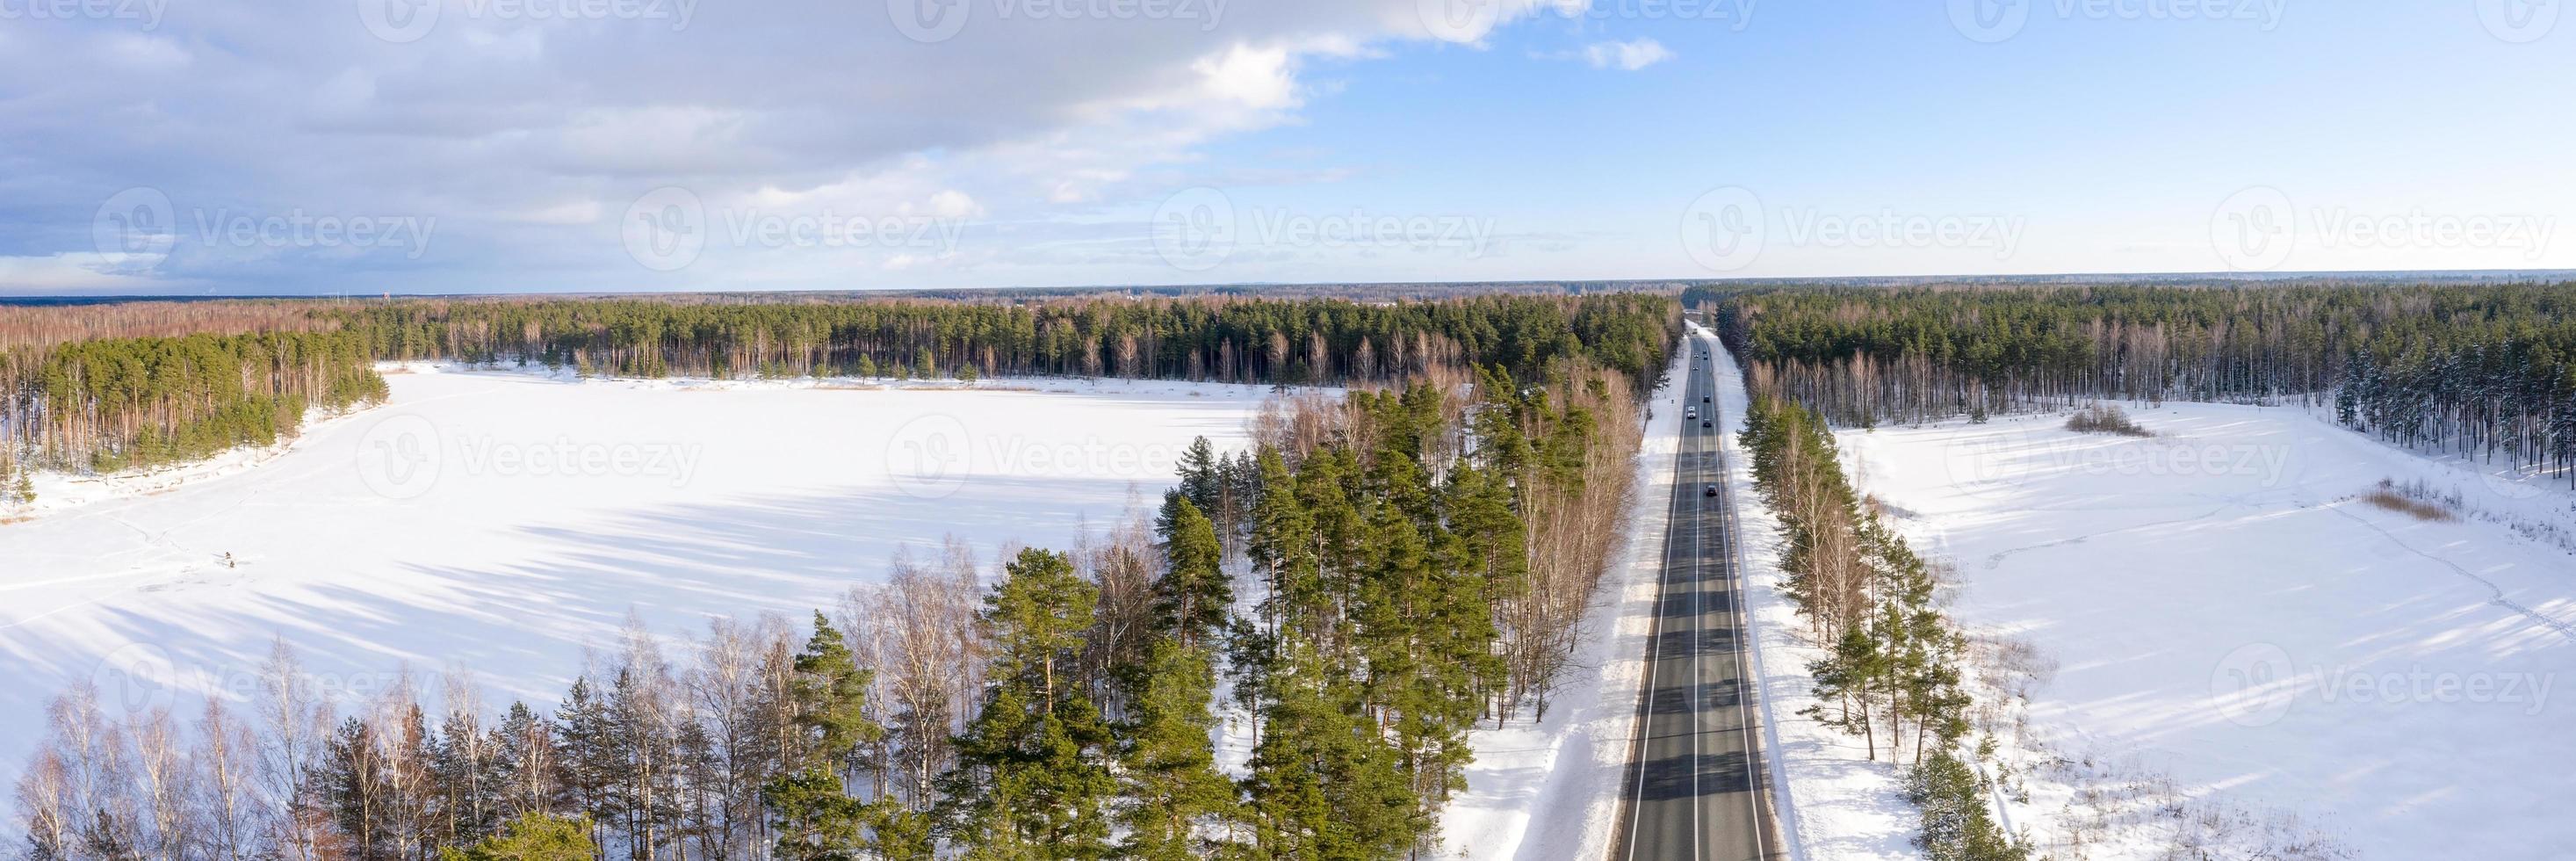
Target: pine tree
816,817
531,837
1193,597
1030,781
1169,762
1199,475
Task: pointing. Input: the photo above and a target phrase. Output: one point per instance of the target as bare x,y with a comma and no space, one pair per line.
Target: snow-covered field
505,522
2235,630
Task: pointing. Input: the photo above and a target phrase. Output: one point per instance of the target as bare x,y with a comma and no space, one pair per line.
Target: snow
505,522
2237,631
1551,789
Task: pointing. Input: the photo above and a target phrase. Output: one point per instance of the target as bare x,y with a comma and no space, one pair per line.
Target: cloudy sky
365,146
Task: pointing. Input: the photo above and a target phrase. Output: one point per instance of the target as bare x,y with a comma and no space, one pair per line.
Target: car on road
1705,423
1710,490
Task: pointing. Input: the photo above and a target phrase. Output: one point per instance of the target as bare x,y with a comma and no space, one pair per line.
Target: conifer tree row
1226,339
2478,370
120,403
72,398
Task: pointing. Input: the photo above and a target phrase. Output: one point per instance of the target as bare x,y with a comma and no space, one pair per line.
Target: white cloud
523,136
1627,56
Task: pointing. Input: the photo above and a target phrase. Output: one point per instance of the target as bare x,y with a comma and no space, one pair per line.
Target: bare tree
295,721
228,799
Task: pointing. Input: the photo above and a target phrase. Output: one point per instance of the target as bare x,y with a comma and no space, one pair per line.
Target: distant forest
2485,371
109,387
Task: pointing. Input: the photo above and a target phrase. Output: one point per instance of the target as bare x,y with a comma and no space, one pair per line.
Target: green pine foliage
531,837
1032,780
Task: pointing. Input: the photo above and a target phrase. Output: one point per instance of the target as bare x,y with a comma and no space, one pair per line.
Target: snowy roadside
1833,800
1551,789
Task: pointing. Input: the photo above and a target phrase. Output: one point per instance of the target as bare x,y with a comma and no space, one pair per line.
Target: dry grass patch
2099,418
2389,498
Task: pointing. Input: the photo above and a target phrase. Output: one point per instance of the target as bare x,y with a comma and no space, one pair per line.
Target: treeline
1363,588
1226,339
2473,369
119,403
1892,675
112,387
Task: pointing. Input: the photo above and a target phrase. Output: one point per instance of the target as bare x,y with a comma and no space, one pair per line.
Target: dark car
1711,490
1704,423
1703,399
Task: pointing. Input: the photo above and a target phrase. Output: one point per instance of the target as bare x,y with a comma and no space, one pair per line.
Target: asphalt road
1695,780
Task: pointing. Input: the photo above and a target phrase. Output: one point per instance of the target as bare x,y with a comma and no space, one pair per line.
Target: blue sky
365,146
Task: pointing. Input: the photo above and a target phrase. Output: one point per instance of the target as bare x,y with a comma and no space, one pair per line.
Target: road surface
1695,768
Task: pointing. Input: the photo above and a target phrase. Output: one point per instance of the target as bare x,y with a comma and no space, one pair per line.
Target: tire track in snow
2564,629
